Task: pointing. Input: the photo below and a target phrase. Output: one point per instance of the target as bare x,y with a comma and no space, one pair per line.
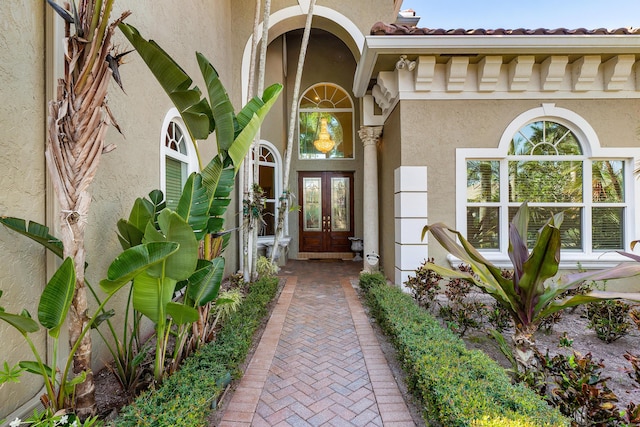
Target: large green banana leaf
181,313
134,261
57,297
181,264
221,107
141,213
152,294
193,205
22,323
204,284
193,109
243,141
34,231
36,368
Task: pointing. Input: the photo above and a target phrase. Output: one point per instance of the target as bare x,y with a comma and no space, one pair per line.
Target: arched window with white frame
551,158
325,125
270,180
177,157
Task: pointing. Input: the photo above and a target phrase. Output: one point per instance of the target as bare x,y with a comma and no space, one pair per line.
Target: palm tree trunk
293,118
78,121
246,168
262,66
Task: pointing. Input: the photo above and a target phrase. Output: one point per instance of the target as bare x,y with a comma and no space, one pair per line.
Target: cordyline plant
530,295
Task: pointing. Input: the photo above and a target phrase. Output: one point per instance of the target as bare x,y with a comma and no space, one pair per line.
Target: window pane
482,227
483,181
607,181
607,226
175,173
312,204
267,181
544,138
340,215
554,182
340,132
570,230
267,227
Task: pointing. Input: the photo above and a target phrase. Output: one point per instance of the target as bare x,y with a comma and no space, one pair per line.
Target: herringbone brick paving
318,362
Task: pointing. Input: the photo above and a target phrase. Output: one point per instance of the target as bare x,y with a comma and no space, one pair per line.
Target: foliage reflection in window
330,102
546,167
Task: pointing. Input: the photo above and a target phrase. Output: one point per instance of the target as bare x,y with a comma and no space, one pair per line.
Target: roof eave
375,46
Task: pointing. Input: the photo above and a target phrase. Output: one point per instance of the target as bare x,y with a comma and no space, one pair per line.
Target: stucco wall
327,60
22,127
131,171
432,130
243,12
389,159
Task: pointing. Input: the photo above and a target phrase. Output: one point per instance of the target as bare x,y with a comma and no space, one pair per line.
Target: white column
370,135
410,207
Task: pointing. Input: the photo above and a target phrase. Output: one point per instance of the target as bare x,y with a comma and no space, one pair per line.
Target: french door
326,217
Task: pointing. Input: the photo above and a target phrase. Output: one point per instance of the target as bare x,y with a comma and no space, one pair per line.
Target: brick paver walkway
318,362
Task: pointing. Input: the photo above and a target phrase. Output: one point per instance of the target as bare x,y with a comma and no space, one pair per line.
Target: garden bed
574,324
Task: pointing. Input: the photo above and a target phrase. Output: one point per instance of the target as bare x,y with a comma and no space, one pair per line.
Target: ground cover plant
529,295
457,387
575,383
187,397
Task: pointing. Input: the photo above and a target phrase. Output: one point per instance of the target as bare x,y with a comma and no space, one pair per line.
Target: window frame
189,159
592,151
277,176
350,110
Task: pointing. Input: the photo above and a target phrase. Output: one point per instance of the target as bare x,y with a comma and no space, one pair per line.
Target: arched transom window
326,123
550,163
178,158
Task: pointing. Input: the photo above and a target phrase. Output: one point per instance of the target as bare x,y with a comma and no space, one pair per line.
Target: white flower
75,423
15,423
63,420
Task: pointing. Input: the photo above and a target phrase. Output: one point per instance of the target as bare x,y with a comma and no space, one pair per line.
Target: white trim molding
411,215
590,144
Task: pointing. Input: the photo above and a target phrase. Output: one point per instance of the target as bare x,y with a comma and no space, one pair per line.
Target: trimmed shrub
186,397
457,386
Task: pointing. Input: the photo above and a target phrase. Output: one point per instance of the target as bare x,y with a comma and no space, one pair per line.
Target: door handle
326,223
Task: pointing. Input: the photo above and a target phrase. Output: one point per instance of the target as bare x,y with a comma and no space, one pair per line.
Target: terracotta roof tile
382,29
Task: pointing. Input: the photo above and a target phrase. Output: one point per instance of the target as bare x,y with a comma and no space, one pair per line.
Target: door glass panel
340,214
312,204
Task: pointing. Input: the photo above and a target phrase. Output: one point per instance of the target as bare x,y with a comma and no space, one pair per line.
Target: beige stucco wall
131,171
243,12
432,130
389,159
22,127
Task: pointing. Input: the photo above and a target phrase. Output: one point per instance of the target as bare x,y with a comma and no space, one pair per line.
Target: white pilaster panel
410,257
409,230
410,178
411,204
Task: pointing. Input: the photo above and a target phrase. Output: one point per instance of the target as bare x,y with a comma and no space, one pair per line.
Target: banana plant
53,308
531,295
210,189
206,195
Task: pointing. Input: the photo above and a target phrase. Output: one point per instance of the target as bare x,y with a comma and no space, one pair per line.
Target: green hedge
185,398
457,386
